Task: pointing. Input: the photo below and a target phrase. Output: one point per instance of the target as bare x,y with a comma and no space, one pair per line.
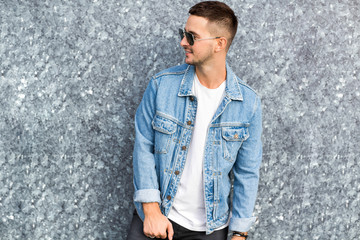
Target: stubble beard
191,61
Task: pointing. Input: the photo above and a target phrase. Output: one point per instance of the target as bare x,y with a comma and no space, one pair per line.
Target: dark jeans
180,233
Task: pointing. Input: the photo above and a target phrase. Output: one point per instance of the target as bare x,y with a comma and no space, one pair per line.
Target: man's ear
221,44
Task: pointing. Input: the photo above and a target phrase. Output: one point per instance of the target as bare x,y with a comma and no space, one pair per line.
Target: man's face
202,51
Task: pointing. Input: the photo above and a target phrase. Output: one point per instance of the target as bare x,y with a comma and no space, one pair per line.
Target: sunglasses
190,38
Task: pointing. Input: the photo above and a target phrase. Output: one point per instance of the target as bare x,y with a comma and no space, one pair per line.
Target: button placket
191,112
183,142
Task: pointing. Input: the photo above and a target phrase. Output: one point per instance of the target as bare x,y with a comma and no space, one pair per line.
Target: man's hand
155,223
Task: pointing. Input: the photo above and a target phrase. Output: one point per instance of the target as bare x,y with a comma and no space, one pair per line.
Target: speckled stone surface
73,72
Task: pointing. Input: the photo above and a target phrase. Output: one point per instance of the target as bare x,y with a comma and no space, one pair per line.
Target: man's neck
211,75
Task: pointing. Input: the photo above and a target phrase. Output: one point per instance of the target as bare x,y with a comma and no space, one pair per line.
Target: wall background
73,72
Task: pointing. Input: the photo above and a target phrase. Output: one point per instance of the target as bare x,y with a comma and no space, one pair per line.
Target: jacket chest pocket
233,137
164,131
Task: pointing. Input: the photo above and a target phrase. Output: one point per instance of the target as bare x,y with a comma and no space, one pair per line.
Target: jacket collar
232,89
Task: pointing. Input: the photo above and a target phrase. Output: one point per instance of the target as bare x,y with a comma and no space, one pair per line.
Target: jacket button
188,122
177,172
192,98
183,148
236,136
168,197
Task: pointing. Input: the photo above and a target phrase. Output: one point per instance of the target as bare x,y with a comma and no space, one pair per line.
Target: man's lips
187,51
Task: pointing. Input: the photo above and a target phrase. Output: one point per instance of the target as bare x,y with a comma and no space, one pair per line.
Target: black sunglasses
190,38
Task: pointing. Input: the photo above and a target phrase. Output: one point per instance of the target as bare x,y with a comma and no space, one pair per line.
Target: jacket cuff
241,224
147,195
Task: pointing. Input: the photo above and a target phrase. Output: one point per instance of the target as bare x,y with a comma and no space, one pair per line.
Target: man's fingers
158,226
170,231
163,236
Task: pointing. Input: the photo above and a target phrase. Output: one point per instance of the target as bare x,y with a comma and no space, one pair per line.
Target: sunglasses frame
190,37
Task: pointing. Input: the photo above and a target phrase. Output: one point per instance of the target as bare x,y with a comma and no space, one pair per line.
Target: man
196,124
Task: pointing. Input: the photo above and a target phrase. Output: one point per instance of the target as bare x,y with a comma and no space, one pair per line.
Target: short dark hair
219,13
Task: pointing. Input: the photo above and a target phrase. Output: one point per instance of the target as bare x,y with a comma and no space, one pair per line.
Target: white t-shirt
188,209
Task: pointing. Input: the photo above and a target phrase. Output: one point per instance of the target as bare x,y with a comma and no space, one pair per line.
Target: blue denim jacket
164,122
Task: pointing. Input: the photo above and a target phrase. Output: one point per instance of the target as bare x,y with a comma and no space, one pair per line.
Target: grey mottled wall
73,72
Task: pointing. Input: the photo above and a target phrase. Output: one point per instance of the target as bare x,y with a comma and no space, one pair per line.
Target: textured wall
73,72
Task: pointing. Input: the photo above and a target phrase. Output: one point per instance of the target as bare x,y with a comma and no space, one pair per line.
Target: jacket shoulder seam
169,72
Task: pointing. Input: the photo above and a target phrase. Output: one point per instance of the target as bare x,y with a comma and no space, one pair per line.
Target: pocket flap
163,125
235,133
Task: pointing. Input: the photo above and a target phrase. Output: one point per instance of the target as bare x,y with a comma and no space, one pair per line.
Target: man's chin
188,61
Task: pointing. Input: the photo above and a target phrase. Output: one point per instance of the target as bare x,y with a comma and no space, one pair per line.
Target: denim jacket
164,123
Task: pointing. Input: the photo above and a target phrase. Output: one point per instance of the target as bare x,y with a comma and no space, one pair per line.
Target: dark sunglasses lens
189,38
181,33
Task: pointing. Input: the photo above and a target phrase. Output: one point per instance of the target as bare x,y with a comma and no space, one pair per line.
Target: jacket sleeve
246,175
145,178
